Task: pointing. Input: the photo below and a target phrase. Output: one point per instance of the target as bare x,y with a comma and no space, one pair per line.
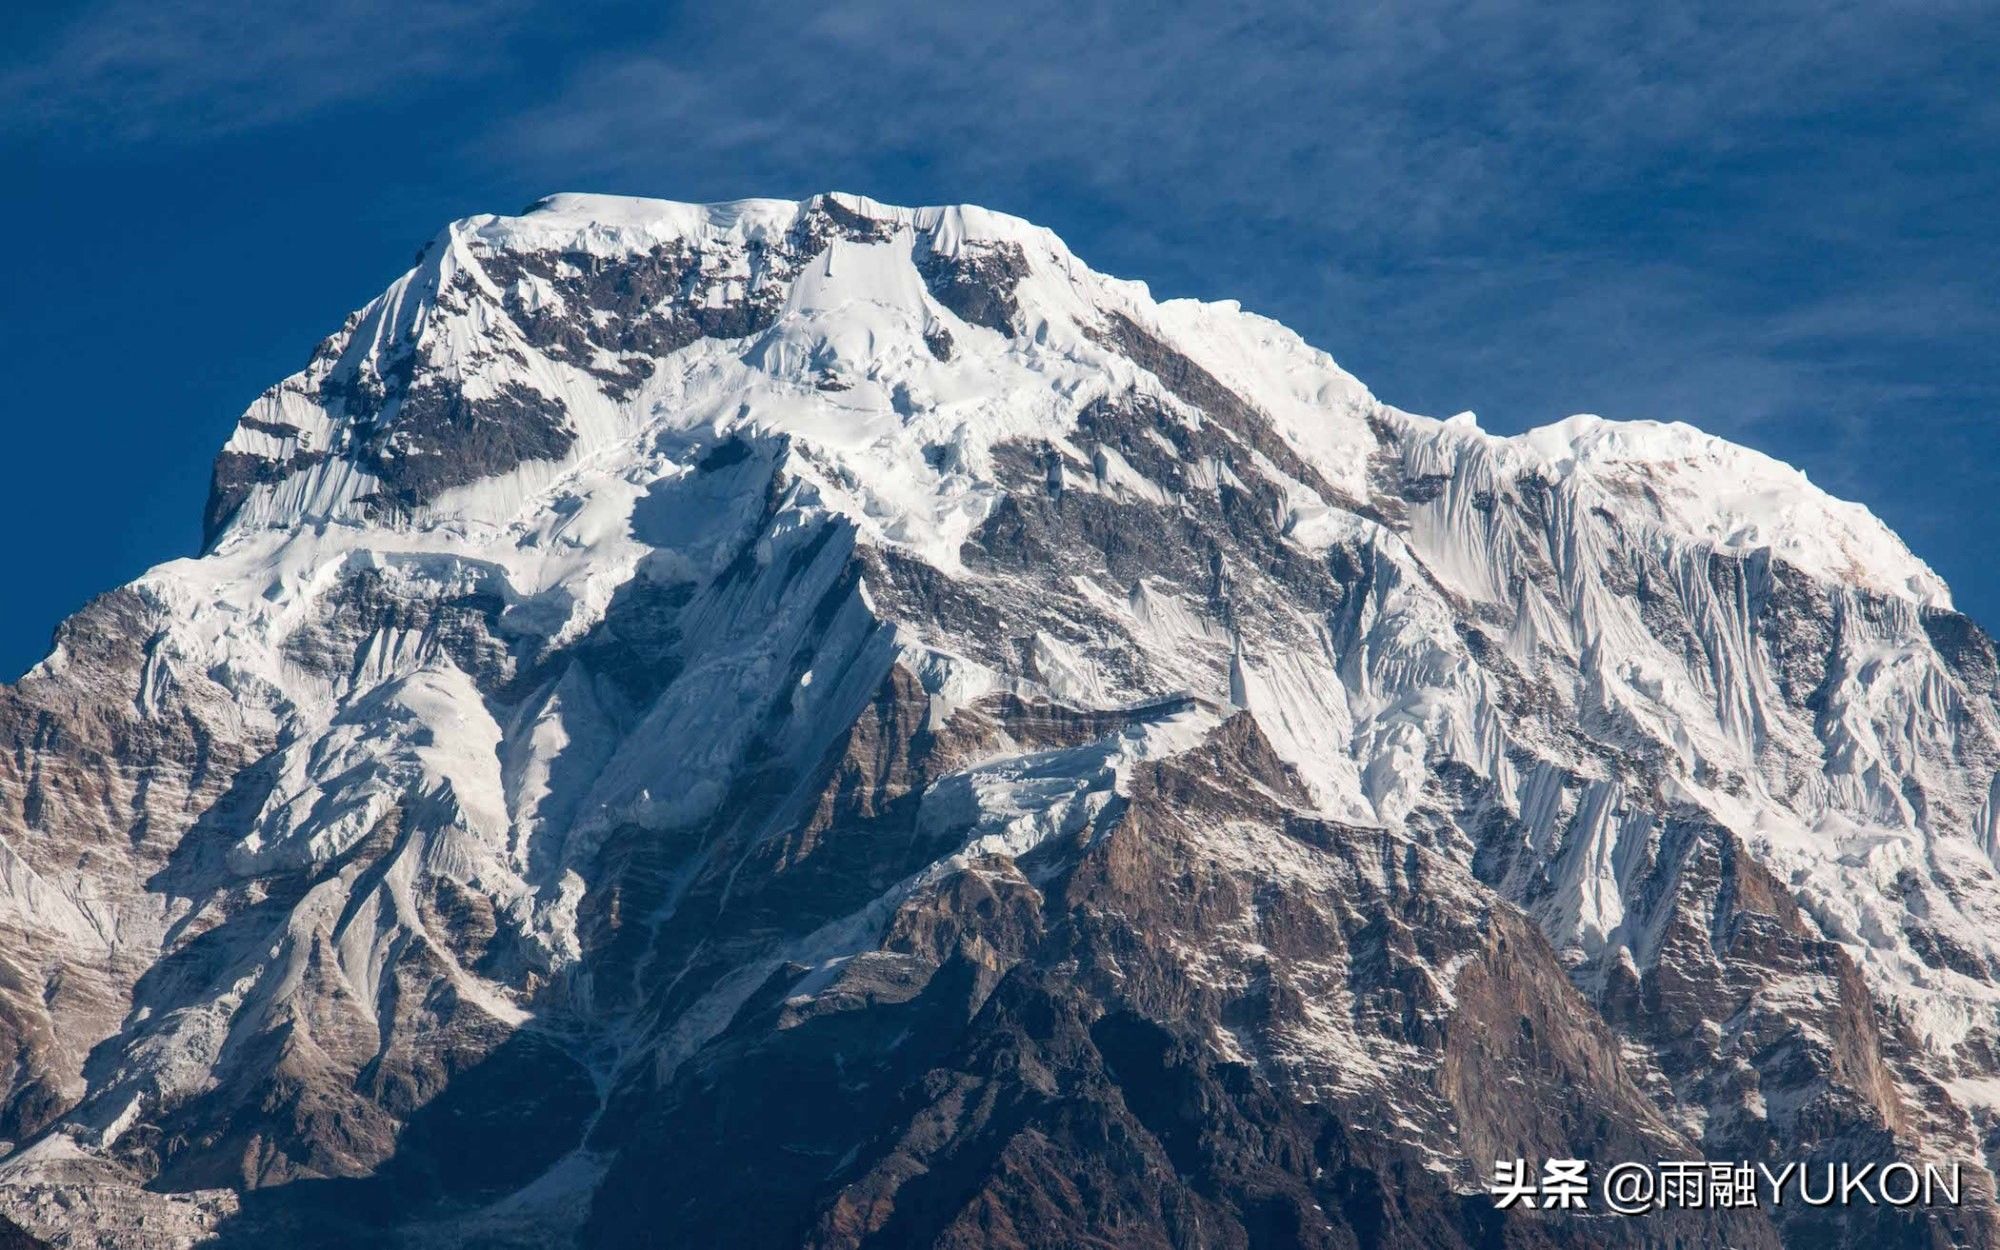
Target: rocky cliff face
832,725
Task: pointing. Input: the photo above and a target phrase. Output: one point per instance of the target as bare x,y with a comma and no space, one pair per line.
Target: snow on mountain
644,616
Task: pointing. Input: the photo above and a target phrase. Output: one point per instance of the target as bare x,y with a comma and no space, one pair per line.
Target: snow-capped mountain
823,724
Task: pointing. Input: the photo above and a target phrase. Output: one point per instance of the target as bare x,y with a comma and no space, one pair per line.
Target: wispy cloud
1378,145
138,70
1401,116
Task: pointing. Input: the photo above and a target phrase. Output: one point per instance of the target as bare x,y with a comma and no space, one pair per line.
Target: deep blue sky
1778,225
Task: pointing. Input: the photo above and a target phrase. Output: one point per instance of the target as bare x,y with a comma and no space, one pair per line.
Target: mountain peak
585,215
520,346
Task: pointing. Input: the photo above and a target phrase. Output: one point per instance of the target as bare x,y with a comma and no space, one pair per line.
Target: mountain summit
823,724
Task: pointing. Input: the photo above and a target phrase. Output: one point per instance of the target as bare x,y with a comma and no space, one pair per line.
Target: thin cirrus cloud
1720,176
132,71
1283,109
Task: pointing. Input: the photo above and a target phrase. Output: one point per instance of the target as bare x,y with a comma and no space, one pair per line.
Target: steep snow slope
650,635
